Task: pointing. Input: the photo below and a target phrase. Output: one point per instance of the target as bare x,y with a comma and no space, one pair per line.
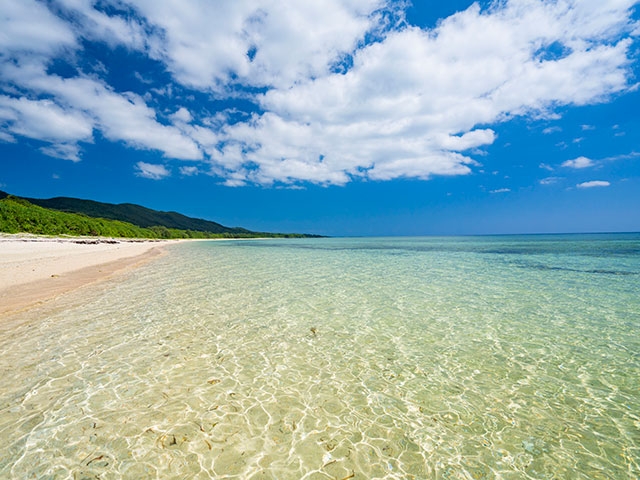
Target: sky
332,117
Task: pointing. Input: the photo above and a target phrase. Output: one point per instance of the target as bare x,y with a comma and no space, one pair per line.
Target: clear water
478,357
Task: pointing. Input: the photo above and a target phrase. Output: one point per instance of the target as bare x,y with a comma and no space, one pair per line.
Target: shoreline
37,269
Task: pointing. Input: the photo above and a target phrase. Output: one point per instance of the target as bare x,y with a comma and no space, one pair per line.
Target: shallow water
475,357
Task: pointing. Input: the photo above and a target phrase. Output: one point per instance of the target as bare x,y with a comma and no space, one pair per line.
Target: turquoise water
472,357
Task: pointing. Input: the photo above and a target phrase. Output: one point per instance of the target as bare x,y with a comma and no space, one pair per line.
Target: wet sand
36,269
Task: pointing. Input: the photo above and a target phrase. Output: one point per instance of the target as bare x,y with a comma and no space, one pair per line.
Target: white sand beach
34,269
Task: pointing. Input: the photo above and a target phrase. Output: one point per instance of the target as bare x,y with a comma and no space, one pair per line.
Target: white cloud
123,117
138,76
550,180
580,162
182,115
260,42
63,151
414,103
96,25
44,120
90,103
628,156
593,184
189,171
28,26
411,104
587,127
151,171
501,190
7,138
30,37
550,130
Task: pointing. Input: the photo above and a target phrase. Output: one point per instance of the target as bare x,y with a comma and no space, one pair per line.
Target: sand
37,269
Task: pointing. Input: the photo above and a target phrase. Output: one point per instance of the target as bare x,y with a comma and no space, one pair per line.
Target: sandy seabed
34,269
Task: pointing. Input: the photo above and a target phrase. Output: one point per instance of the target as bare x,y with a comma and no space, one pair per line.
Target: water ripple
237,360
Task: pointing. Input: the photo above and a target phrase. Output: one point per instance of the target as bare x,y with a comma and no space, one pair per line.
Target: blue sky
337,117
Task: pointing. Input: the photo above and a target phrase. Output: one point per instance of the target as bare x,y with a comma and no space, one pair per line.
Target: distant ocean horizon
481,235
479,356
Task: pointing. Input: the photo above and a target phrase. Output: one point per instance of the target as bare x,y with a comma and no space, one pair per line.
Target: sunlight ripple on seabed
333,358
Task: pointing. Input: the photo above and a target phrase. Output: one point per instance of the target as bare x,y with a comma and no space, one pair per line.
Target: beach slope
35,269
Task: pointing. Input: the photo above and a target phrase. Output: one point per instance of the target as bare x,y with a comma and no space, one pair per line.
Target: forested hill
74,216
135,214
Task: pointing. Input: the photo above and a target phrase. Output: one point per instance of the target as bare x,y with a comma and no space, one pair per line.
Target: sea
489,357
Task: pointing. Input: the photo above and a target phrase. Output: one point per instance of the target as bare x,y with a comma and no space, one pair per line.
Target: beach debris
101,461
213,381
314,331
329,444
167,441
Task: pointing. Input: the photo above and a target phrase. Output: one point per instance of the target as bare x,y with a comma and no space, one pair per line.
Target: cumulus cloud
151,171
209,46
43,120
410,106
580,162
123,117
594,184
88,104
29,26
339,91
73,107
119,28
182,115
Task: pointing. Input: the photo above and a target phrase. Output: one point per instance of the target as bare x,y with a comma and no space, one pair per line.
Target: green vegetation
19,215
134,214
